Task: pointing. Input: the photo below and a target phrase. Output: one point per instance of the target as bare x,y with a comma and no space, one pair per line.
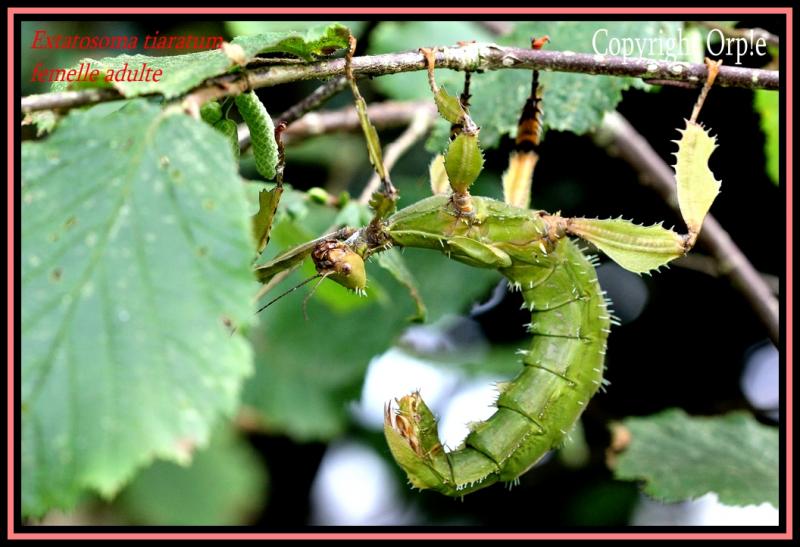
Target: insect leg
641,249
518,178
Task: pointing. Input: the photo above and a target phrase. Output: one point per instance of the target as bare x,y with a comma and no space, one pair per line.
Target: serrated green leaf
136,255
767,105
682,457
225,485
697,187
636,248
180,73
242,28
317,41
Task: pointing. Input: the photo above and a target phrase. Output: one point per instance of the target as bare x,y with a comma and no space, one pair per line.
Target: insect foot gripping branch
562,367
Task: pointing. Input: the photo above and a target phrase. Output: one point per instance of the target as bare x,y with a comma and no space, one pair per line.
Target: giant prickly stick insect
570,318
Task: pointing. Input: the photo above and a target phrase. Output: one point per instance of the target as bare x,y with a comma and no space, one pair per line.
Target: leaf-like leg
644,248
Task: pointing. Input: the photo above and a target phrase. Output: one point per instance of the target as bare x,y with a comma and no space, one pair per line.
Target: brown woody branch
469,57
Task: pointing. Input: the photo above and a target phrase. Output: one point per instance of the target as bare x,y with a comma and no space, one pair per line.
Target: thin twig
314,100
384,115
711,266
421,123
469,57
68,99
631,146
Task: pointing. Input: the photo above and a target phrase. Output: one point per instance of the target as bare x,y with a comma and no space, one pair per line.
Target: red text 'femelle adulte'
85,73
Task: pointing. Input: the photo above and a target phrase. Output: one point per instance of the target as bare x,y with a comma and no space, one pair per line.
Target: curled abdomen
562,370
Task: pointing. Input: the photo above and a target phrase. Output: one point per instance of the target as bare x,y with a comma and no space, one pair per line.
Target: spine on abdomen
563,368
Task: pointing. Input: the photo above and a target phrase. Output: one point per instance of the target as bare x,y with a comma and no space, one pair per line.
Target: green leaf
696,185
696,45
262,220
392,261
682,457
317,41
225,485
353,214
572,102
136,253
180,73
241,28
47,120
394,36
229,129
767,105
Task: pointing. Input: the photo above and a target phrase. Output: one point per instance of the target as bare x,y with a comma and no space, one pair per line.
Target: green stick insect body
570,319
562,367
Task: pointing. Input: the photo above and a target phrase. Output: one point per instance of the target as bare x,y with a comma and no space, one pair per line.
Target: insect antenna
305,281
310,294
